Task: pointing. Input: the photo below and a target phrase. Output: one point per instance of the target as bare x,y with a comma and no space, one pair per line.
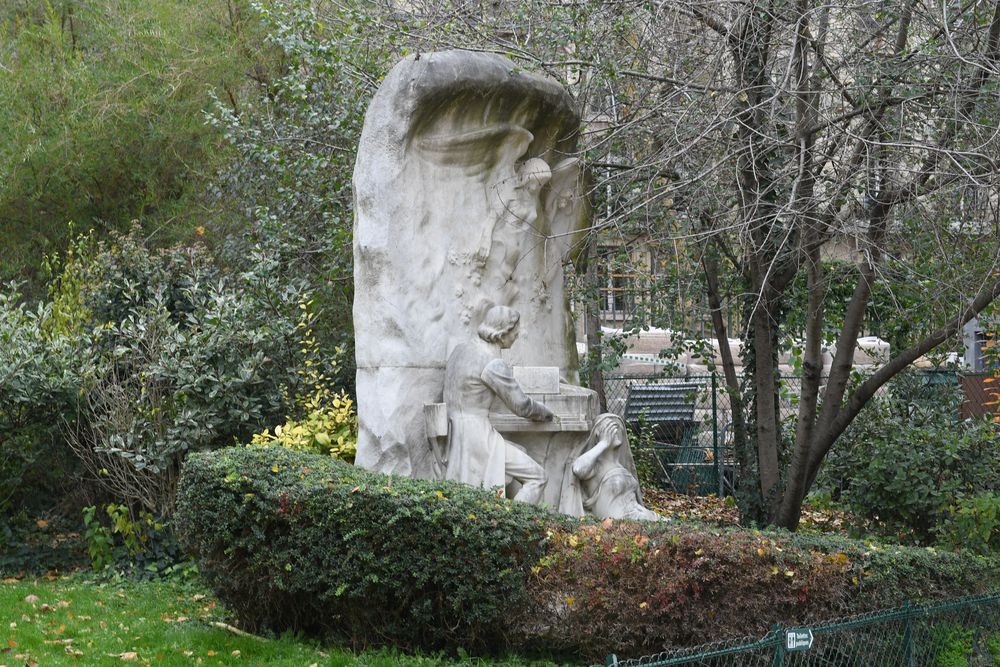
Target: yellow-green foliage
329,425
69,313
329,428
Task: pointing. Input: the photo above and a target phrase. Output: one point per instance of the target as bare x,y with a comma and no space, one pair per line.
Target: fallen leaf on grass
127,656
179,619
31,599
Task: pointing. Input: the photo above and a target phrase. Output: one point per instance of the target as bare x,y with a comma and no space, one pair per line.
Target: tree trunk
592,324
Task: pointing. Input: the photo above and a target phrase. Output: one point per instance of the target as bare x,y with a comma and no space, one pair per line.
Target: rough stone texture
466,194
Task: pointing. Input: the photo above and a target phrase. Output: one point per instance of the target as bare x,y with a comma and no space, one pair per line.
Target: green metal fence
683,438
963,632
682,425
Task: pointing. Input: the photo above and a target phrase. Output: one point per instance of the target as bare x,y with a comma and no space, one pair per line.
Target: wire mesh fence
960,632
980,395
682,426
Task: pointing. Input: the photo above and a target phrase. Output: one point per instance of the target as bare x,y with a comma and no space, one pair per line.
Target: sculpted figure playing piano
475,374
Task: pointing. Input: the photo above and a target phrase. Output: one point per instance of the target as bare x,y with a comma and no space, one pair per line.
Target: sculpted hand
544,414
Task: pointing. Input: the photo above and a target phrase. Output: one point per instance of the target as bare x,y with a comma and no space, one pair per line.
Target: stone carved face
530,177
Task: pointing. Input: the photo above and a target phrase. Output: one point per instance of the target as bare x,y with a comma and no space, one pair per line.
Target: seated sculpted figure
607,473
474,375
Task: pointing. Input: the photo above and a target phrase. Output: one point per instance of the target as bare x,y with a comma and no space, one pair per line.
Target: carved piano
554,444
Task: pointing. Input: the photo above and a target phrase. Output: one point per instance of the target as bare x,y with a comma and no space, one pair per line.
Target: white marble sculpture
467,191
475,376
469,202
607,473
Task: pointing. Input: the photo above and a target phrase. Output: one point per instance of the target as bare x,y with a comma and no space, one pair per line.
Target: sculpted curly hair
498,322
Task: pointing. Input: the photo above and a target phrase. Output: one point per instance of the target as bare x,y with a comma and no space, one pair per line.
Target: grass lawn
77,621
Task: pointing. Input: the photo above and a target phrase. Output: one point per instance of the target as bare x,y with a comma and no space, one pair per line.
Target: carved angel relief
531,213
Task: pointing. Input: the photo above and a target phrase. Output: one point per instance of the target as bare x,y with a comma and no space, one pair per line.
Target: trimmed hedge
302,542
299,541
634,589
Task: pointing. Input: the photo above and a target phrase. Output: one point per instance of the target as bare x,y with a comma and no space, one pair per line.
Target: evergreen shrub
300,541
295,541
908,464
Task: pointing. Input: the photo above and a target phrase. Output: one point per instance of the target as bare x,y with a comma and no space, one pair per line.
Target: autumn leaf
127,656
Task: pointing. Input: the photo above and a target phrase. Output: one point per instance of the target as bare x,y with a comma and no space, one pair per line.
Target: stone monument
466,193
468,203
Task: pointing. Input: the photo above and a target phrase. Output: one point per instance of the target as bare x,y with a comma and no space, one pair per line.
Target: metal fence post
908,659
611,660
715,432
779,646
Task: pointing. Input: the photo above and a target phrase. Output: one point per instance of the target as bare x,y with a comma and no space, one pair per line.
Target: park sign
798,639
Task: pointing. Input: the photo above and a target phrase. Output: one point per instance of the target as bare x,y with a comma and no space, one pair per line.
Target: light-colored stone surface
468,203
476,378
606,474
466,195
538,379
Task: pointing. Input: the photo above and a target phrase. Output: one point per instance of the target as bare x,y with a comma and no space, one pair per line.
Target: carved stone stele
466,194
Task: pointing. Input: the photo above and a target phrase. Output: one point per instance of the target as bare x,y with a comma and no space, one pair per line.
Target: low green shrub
952,645
973,524
139,547
297,541
292,540
42,377
908,458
